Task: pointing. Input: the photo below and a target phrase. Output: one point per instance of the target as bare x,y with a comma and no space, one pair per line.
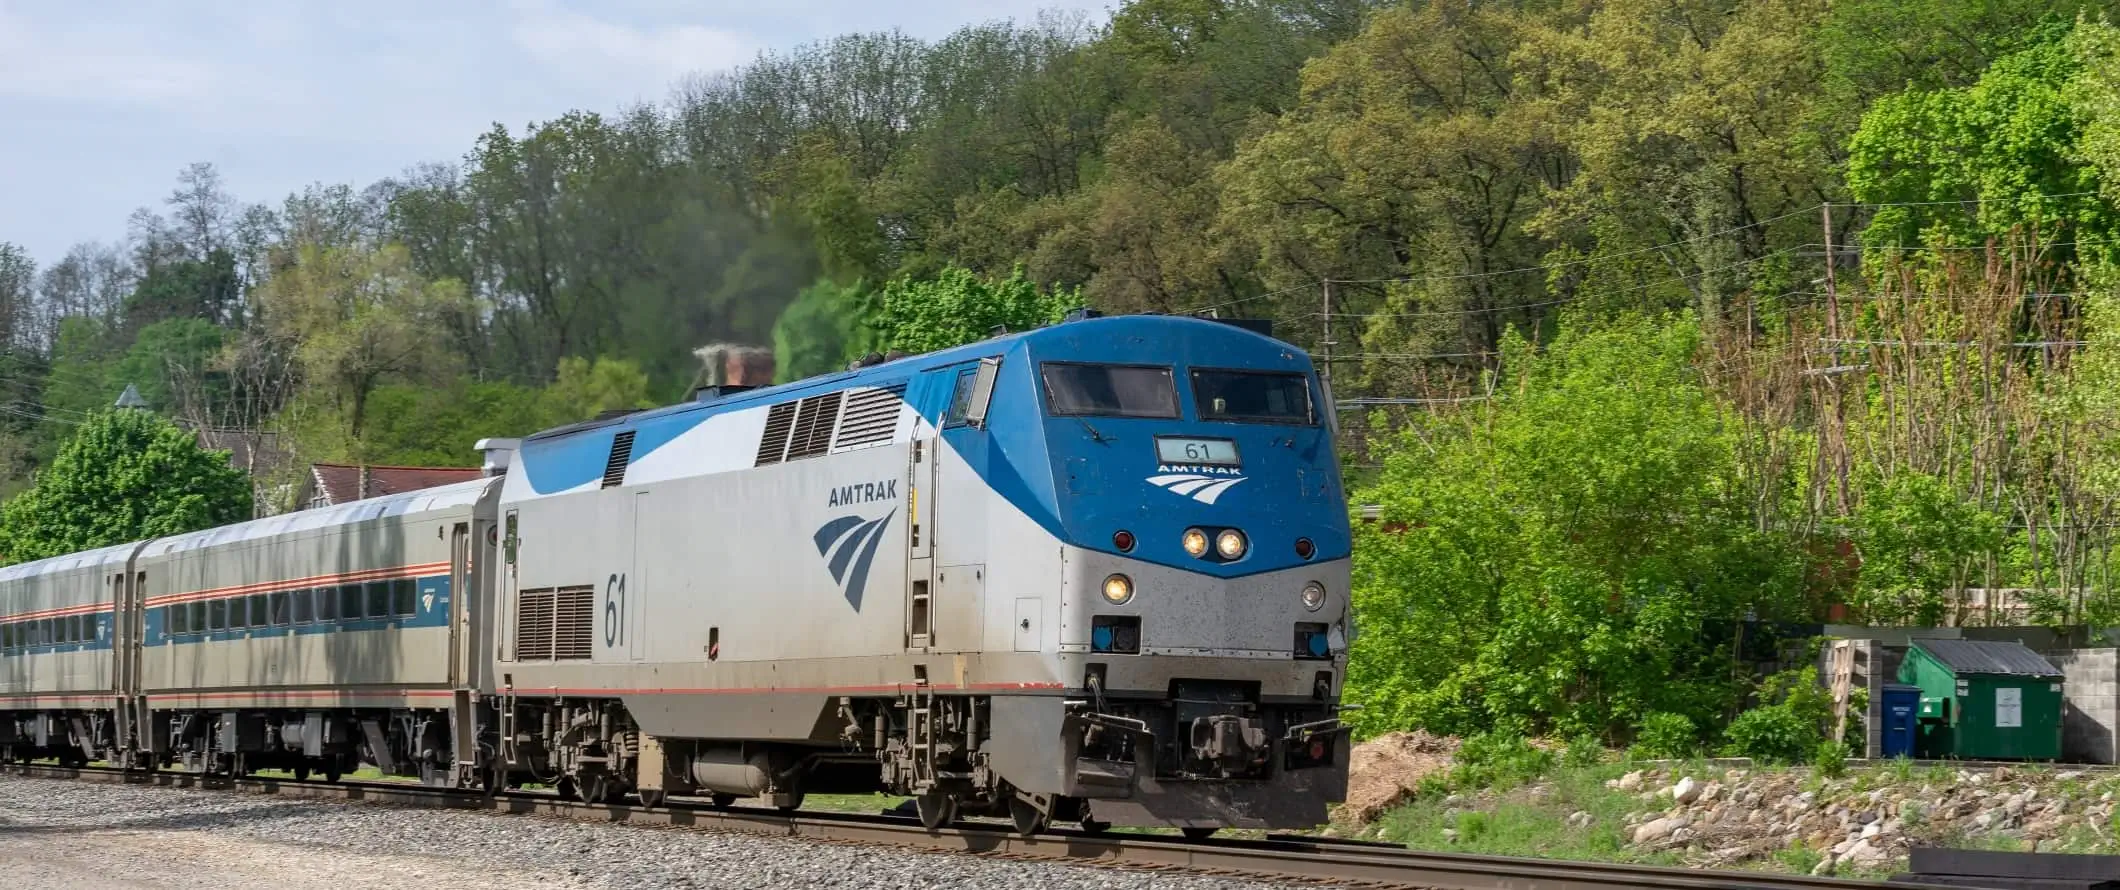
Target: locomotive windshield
1252,396
1109,390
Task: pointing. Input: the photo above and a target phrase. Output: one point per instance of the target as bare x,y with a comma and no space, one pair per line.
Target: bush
1583,751
1498,760
1665,736
1771,734
1830,760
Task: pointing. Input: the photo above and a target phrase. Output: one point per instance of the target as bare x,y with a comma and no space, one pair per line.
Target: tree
1961,165
125,475
357,318
957,307
827,326
18,276
1552,560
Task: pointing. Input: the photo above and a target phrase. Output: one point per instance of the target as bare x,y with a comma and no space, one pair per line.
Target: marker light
1230,543
1313,596
1305,549
1124,540
1118,589
1196,542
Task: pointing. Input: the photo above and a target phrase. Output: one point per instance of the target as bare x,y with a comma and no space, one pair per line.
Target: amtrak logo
1203,484
848,544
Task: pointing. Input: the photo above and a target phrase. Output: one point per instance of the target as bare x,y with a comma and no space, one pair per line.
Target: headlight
1196,542
1230,543
1313,596
1118,589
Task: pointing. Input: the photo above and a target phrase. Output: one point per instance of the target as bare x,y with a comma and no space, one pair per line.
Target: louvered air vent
621,455
773,445
574,623
813,426
533,625
871,418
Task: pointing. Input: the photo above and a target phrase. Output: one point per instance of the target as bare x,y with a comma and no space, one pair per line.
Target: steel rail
1277,857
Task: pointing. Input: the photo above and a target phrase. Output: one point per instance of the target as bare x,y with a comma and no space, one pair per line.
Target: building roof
341,483
1988,657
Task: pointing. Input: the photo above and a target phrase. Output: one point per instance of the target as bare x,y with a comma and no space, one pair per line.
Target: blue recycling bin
1897,716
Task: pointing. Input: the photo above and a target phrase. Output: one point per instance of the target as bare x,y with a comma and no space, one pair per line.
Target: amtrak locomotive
1094,572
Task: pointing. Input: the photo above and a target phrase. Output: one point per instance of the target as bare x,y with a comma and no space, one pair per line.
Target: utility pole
1838,437
1325,343
1832,295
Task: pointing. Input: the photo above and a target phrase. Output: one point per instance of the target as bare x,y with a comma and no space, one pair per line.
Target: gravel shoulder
84,835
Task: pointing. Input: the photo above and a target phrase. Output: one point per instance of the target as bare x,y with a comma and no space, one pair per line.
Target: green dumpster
1984,700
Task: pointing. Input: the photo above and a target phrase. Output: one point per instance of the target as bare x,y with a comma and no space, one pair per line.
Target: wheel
332,770
792,802
1092,826
565,790
935,809
653,798
723,801
1026,818
599,788
301,772
1194,833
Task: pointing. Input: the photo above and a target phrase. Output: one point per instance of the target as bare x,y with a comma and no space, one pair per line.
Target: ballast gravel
93,835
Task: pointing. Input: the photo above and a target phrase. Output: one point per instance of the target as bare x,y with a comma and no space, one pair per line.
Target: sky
102,103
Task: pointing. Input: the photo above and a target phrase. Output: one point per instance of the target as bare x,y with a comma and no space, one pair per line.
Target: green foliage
1830,759
1771,734
1583,751
827,326
958,306
1922,543
1498,760
2008,146
1554,553
1790,723
587,388
1666,736
124,476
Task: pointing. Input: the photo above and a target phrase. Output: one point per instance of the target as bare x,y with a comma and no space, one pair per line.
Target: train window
404,597
260,610
280,610
1252,396
80,624
1109,390
217,615
7,636
198,618
960,398
378,599
305,606
350,602
327,603
174,620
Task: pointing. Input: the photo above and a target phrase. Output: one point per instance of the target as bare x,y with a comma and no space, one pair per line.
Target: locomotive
1095,572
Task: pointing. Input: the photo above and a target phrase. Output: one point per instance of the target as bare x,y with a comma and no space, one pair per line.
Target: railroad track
1277,857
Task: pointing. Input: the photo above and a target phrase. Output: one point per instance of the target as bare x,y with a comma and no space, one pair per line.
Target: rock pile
1862,822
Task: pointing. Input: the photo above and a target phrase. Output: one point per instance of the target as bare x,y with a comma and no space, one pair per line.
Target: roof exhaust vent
500,453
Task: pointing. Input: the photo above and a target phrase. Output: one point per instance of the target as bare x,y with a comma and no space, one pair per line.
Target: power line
2023,345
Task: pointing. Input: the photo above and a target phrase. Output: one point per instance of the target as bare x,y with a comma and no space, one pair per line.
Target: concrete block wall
2090,704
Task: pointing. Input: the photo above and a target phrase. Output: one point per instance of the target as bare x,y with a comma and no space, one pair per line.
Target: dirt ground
1385,769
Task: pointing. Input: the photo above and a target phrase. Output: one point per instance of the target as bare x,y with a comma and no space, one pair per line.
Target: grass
1519,826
